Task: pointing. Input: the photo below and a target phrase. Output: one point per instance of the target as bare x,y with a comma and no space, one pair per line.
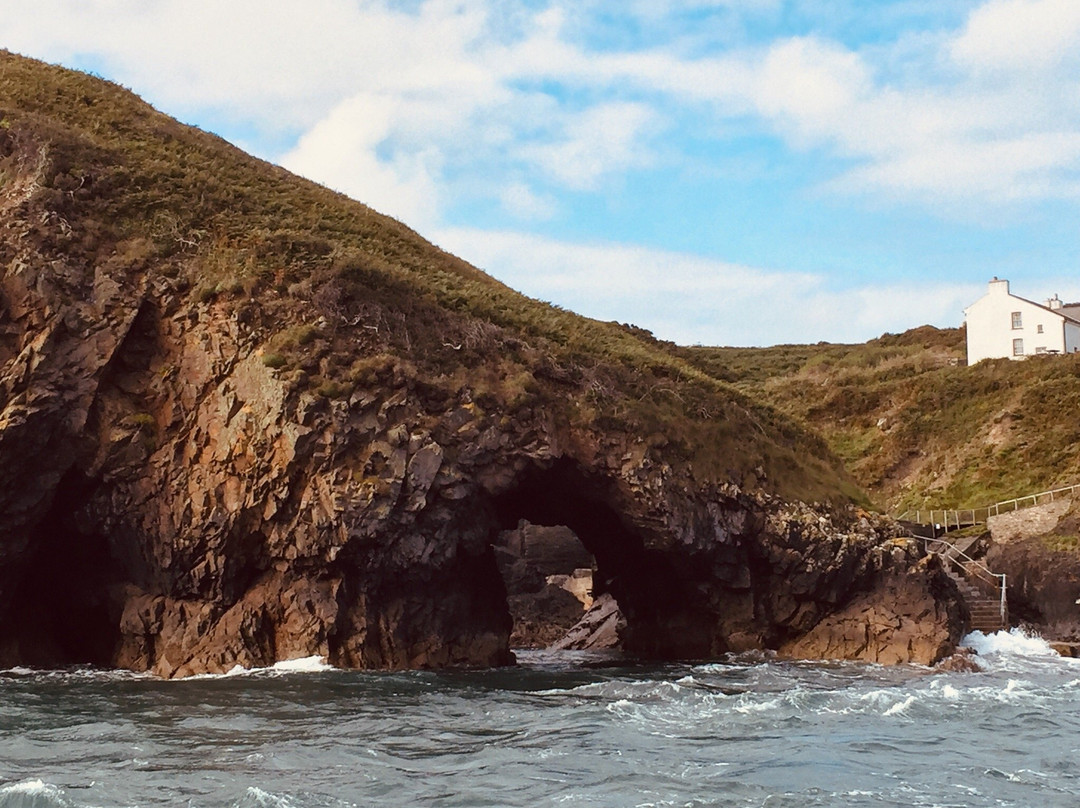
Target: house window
1038,328
1040,349
1017,320
1018,347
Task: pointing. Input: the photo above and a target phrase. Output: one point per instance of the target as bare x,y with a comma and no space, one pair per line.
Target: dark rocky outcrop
195,476
1037,550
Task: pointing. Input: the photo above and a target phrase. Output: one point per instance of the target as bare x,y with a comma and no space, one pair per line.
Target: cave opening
64,610
559,522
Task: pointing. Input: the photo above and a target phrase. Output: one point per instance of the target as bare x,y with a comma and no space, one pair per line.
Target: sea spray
1015,642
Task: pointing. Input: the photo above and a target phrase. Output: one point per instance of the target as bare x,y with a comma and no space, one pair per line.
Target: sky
720,172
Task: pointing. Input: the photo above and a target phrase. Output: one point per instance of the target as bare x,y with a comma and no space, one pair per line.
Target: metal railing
953,518
996,508
953,553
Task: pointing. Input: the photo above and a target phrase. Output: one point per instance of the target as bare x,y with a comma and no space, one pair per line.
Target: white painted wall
1072,337
990,331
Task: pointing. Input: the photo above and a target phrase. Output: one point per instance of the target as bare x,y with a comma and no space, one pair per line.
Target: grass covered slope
356,297
914,425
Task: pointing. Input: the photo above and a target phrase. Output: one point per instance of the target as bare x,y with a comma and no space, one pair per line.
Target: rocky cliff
1037,550
243,419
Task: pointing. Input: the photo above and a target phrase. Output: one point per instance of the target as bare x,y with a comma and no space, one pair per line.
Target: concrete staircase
985,607
981,589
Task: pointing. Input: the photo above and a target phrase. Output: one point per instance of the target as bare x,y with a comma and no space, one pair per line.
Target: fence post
1003,599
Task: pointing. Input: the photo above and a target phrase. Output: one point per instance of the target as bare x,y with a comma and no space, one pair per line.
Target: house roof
1070,311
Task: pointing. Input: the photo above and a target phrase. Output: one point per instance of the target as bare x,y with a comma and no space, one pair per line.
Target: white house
1000,324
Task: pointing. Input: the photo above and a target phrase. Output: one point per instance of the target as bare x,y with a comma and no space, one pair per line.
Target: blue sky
742,172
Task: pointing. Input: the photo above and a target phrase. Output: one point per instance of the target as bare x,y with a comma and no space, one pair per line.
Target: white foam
30,787
310,664
1015,642
257,798
747,706
33,793
901,706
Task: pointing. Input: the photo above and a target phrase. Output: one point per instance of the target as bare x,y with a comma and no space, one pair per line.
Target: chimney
1054,302
999,287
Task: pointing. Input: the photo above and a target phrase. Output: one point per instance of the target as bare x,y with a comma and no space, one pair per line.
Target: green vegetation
274,360
341,296
916,427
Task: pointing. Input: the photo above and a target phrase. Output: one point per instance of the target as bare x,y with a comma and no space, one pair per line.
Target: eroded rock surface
1036,549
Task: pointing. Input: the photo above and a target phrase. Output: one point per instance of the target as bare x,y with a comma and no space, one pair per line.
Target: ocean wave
311,664
33,794
1013,643
257,798
75,674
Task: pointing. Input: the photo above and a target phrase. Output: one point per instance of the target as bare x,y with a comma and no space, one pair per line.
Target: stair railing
952,553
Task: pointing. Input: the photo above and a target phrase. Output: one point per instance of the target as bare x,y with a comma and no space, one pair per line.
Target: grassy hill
915,426
345,297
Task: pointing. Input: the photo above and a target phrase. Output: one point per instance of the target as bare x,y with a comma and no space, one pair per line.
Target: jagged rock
579,583
902,620
598,629
1043,584
542,604
963,661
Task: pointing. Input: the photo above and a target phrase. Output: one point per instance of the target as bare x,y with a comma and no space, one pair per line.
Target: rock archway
647,582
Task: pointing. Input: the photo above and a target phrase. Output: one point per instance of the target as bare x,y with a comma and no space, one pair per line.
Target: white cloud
465,78
809,86
603,139
410,106
519,200
1018,169
341,152
691,299
272,61
1020,35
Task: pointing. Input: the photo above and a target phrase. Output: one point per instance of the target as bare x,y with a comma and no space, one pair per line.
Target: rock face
903,621
1043,583
170,505
175,498
1036,548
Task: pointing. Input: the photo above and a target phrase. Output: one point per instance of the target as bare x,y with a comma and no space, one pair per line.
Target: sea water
574,730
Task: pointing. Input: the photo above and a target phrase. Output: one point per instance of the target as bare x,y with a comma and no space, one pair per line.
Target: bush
274,360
